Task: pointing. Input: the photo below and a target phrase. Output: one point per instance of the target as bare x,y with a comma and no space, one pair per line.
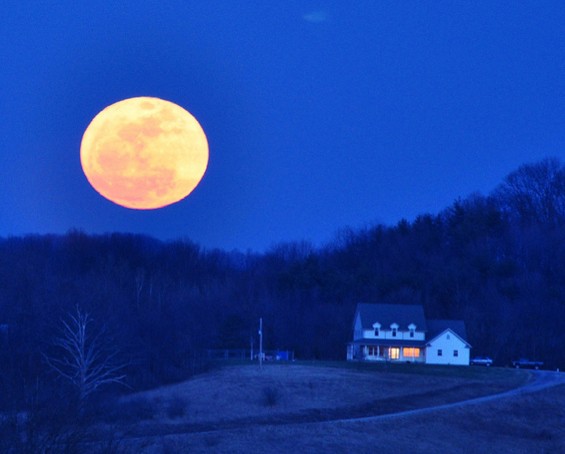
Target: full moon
144,153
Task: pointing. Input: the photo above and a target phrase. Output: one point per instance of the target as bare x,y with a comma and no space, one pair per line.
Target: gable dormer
411,330
394,329
377,329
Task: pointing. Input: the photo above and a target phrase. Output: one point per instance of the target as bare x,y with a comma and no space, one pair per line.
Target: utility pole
261,342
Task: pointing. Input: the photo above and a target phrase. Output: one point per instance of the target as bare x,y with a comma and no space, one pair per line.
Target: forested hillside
496,261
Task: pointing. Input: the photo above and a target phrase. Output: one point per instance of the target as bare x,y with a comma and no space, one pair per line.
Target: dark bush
176,408
271,396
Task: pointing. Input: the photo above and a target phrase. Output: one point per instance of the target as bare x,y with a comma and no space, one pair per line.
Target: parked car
481,361
523,362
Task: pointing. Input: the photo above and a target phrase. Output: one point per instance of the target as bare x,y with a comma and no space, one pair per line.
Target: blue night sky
319,114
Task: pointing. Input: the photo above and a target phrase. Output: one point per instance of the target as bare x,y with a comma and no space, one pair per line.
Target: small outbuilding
447,344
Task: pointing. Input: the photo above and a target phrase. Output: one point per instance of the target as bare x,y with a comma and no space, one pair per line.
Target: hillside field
309,407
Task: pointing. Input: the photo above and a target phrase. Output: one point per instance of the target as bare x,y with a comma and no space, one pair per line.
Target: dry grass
534,424
239,392
226,411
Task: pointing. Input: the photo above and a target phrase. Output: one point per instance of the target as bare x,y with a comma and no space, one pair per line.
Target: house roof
387,314
436,327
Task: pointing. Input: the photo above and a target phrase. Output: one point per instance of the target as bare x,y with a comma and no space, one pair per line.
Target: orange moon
144,153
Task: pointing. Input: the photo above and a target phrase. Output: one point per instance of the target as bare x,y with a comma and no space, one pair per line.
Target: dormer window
377,328
393,329
411,329
411,333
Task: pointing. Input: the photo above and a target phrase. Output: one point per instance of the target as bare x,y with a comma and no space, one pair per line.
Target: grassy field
303,392
532,425
302,406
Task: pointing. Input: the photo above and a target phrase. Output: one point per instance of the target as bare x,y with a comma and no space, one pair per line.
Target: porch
399,351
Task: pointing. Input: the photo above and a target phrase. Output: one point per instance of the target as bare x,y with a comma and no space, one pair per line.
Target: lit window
455,352
439,352
394,353
411,352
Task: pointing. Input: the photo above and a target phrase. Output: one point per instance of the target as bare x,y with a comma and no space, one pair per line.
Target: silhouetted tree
535,193
84,356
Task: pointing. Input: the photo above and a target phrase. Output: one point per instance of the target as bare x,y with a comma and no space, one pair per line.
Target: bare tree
85,356
535,192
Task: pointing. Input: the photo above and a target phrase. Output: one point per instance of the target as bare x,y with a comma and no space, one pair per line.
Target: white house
401,332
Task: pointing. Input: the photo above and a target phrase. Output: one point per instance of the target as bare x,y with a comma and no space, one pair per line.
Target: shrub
271,396
176,408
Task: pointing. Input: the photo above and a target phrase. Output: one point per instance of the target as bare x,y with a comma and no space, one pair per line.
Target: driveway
541,380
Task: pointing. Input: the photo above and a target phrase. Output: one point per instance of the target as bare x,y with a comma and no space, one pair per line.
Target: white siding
350,350
418,335
448,343
386,333
357,328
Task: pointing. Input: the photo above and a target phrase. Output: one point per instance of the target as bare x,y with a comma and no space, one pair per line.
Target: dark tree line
496,261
